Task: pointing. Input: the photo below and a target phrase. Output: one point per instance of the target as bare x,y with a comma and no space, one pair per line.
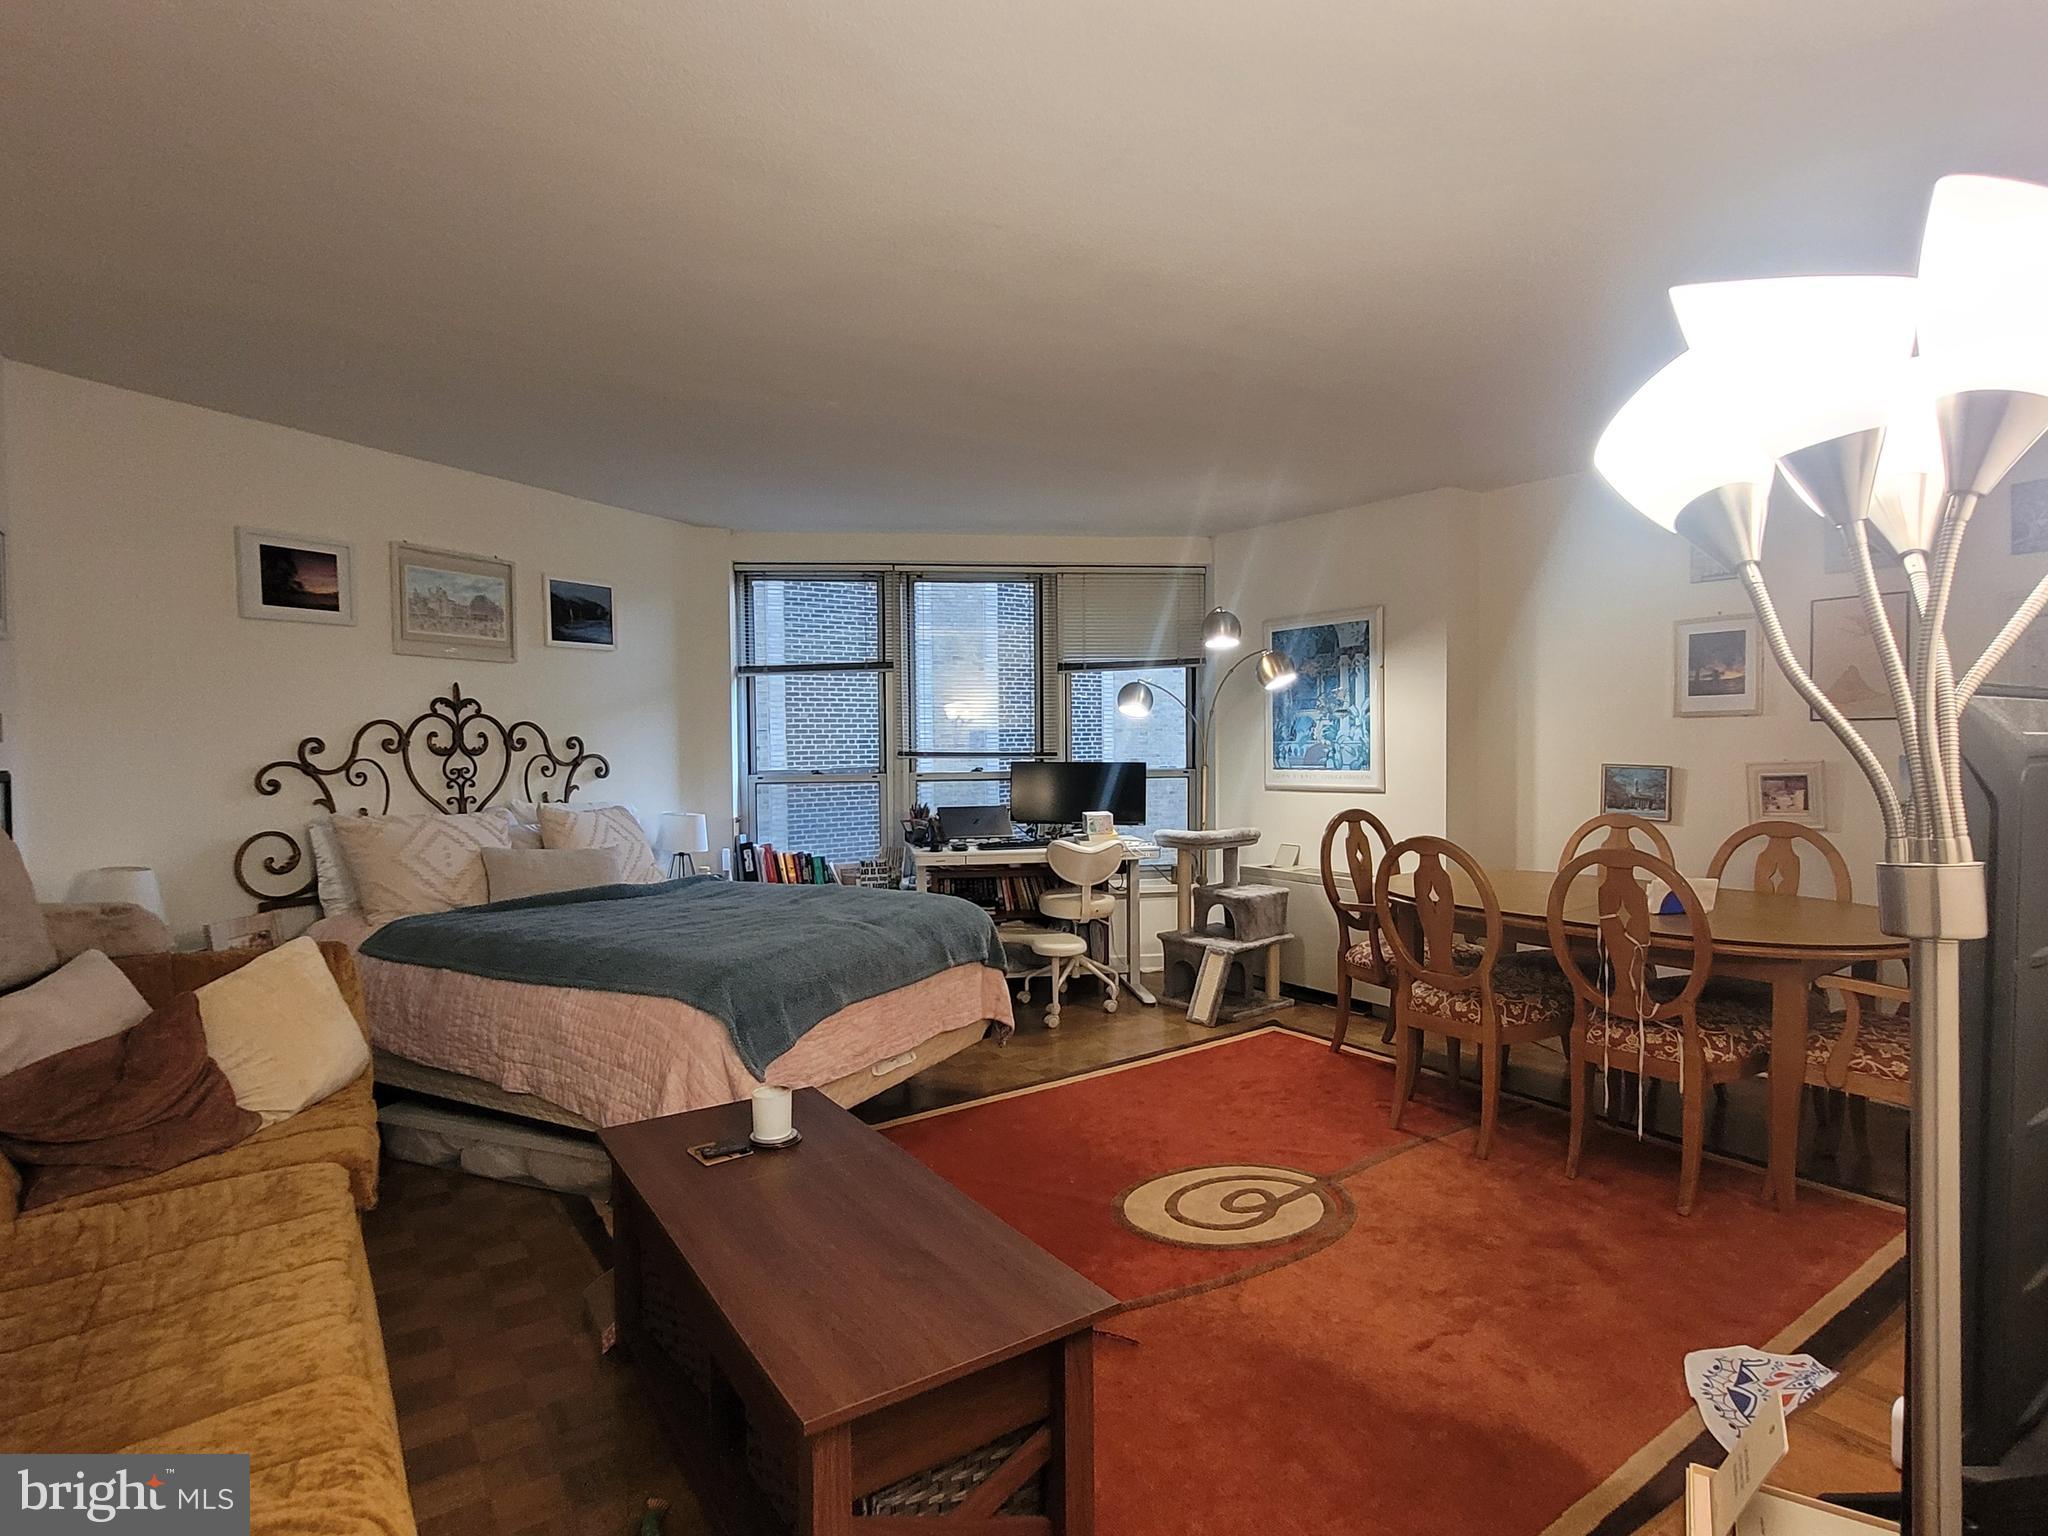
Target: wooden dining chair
1622,831
1862,1050
1625,1015
1779,871
1778,867
1361,956
1493,1002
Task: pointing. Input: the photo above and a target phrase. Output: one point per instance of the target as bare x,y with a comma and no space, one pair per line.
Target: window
972,704
1096,732
812,670
865,692
1122,627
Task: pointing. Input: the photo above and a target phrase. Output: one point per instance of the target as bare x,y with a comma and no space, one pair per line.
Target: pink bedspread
614,1057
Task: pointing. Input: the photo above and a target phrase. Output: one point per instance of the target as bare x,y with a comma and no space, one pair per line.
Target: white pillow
86,999
332,883
424,863
281,1032
602,826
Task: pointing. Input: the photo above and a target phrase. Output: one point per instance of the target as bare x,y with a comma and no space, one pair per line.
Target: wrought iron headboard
473,755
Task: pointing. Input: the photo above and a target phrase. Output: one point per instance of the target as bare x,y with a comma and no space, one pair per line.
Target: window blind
1130,618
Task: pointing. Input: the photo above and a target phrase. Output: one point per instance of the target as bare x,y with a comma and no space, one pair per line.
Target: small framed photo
457,607
1636,789
581,615
293,577
1795,792
1714,666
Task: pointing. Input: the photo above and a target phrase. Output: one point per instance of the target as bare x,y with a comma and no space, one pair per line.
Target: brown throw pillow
135,1103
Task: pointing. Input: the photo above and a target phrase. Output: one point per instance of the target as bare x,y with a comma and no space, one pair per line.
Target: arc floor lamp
1221,632
1895,403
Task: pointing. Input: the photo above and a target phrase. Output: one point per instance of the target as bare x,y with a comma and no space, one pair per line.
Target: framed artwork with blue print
1327,730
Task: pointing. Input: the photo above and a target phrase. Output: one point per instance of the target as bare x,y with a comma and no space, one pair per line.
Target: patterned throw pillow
426,863
602,826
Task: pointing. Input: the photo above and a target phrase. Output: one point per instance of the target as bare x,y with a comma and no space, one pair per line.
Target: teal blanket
770,962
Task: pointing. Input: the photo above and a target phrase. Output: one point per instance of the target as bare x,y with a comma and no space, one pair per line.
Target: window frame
746,676
900,774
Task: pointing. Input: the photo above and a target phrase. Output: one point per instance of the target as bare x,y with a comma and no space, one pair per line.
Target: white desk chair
1088,867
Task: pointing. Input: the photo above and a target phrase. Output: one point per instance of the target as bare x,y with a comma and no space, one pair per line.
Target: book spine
770,870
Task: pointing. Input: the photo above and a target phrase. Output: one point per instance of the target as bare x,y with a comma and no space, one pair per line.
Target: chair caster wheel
1052,1021
1109,1005
1023,994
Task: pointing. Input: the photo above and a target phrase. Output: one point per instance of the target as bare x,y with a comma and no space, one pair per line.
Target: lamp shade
1275,671
681,832
1689,433
1984,322
1912,484
1822,356
134,884
1135,700
1221,630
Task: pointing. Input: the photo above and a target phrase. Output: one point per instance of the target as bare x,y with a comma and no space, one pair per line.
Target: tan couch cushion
25,948
603,826
231,1316
281,1031
340,1130
428,863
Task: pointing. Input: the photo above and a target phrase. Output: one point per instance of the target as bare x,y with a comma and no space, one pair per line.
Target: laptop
975,823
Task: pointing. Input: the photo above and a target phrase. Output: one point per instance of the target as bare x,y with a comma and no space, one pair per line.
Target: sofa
222,1305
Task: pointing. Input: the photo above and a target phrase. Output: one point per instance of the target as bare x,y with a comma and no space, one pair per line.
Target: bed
515,1037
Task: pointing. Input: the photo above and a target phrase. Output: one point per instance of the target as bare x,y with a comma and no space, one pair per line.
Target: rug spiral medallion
1227,1205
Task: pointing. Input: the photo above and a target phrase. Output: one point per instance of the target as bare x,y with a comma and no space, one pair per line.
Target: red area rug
1331,1326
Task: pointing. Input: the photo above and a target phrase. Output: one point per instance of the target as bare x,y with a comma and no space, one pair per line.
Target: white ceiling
1102,265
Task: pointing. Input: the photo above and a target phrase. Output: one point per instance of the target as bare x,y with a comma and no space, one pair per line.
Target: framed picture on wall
293,577
1327,730
1844,657
1636,789
1795,792
457,607
2028,500
1715,668
581,615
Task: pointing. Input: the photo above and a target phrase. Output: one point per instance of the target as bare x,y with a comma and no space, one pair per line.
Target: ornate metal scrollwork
455,756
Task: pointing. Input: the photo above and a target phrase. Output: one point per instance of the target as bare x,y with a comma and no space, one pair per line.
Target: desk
1790,942
988,861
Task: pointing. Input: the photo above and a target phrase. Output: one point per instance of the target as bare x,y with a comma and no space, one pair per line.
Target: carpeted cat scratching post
1223,956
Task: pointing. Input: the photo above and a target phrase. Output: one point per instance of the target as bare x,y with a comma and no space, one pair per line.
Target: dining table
1786,942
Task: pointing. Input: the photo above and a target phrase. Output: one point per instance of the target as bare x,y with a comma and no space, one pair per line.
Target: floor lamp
1221,631
1895,403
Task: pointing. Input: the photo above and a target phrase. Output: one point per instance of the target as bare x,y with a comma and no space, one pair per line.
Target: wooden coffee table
853,1326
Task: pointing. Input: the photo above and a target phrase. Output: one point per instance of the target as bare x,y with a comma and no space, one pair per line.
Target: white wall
1398,554
1529,640
143,703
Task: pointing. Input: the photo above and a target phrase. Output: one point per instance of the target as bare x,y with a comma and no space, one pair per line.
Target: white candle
771,1114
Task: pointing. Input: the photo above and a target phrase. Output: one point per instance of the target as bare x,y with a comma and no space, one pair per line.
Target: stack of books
1001,894
766,862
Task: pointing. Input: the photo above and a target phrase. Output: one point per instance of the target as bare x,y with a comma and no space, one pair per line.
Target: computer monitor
1057,794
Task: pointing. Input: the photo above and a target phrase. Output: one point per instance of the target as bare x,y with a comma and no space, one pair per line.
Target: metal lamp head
1221,630
1275,671
1135,700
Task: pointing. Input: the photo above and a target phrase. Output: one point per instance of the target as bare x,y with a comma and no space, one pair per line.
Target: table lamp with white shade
680,836
133,884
